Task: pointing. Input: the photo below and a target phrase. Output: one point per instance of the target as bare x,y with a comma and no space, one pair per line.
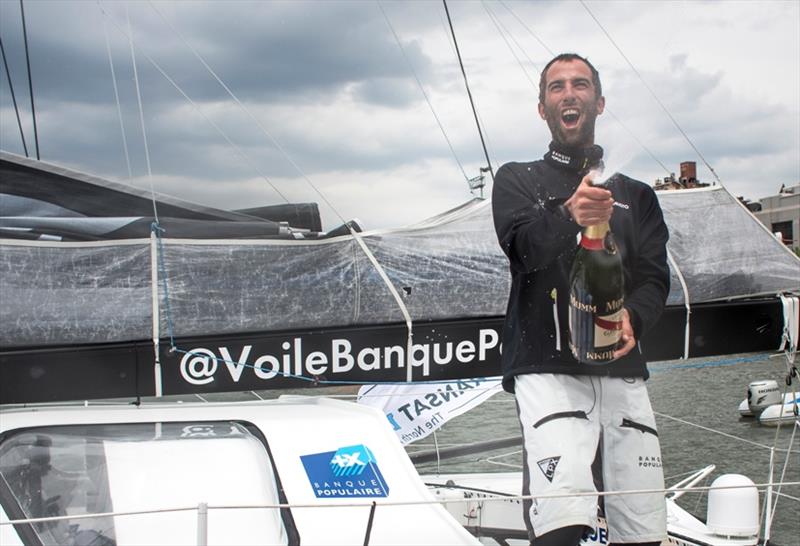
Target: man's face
571,104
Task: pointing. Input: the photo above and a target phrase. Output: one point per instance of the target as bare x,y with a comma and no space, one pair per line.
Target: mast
469,93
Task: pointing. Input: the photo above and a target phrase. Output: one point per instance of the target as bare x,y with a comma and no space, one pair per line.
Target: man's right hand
590,205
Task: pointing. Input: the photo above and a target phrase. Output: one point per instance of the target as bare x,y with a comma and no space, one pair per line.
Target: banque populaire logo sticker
348,472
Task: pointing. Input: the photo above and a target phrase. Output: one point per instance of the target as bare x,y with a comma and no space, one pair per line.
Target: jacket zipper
554,296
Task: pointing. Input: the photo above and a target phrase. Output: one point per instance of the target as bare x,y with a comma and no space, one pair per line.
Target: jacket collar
579,160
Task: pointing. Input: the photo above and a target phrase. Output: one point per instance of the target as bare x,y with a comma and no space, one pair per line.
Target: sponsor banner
348,472
126,369
439,351
416,410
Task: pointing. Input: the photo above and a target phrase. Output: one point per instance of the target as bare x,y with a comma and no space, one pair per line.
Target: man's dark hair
570,57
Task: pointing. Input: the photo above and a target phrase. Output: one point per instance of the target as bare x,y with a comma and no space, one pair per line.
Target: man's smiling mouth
570,117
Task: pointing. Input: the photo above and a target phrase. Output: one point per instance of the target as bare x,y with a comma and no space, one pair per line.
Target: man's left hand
629,342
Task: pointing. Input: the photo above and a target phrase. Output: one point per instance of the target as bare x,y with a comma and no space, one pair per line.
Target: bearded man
574,415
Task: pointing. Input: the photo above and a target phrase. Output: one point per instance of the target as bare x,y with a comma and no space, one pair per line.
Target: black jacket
541,241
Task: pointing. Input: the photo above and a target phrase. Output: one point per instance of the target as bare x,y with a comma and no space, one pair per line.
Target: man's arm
532,231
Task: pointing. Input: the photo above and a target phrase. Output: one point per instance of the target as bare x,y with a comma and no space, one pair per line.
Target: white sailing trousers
564,418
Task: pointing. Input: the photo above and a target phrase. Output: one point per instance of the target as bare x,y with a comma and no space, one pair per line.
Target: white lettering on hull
200,365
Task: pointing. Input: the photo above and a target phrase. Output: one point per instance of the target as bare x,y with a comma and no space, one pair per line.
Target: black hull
310,358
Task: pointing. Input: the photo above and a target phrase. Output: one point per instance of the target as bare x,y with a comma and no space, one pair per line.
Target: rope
652,93
116,97
141,115
790,308
466,83
178,88
607,110
783,475
707,364
526,27
422,89
503,31
335,505
450,42
30,80
355,235
246,111
493,459
708,429
13,98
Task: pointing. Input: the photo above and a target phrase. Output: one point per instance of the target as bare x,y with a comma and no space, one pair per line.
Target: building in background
781,214
687,180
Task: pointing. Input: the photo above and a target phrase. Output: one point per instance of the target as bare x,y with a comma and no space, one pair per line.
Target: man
572,412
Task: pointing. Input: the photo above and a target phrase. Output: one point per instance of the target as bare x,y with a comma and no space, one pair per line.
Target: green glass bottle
596,297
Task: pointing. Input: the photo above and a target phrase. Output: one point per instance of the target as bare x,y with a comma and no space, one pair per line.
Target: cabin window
96,469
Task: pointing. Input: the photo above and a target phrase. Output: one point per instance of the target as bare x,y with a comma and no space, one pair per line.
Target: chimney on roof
689,171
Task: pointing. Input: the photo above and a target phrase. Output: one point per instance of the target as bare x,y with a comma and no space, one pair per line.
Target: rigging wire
501,29
453,50
526,27
250,115
422,89
116,97
498,497
771,508
178,88
774,507
356,237
13,98
30,81
708,429
652,93
156,228
469,92
141,115
607,109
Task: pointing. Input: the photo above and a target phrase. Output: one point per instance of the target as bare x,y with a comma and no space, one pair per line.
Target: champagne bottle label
607,329
595,337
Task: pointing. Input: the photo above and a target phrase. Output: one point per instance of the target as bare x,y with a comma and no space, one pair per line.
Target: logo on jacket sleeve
548,467
350,471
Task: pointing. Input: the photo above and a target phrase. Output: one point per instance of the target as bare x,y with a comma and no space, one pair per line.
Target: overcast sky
330,84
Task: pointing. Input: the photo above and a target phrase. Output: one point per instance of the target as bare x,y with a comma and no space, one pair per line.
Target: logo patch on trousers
548,467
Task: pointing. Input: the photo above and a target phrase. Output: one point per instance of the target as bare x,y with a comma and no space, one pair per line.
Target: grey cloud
263,52
290,55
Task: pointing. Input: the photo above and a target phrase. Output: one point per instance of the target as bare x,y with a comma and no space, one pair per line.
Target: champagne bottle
596,297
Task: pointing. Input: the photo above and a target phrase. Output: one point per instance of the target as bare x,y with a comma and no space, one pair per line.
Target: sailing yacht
98,280
113,292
